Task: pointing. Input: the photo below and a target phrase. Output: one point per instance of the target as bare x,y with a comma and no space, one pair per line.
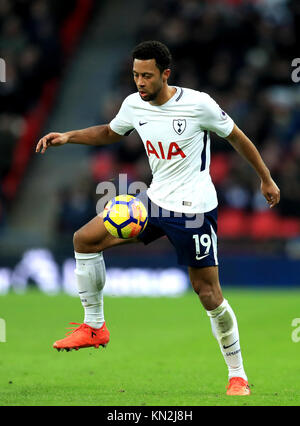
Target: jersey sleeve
122,123
215,119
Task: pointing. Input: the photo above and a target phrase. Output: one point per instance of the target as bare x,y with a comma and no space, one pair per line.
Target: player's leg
195,240
206,284
89,243
94,238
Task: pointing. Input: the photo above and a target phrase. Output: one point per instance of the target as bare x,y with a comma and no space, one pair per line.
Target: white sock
90,277
225,329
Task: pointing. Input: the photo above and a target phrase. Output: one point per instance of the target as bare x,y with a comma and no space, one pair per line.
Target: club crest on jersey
179,126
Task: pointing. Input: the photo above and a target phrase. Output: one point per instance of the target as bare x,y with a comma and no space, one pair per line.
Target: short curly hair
153,49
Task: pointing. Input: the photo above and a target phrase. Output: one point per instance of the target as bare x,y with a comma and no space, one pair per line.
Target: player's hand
271,192
52,139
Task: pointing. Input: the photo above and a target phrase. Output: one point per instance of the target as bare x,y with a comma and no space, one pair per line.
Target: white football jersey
177,143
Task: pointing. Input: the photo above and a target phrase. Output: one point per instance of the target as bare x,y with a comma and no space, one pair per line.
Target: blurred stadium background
68,66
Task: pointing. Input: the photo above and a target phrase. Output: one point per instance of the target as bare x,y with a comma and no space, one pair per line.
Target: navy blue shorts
193,236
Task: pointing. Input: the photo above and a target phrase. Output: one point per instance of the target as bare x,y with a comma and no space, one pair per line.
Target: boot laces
74,329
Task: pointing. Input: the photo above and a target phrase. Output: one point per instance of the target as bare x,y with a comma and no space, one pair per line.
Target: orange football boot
83,336
238,386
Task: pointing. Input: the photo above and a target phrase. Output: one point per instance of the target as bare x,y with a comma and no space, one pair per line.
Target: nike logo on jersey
226,347
201,257
141,124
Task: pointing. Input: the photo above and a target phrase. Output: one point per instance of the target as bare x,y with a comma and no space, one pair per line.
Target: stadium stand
36,38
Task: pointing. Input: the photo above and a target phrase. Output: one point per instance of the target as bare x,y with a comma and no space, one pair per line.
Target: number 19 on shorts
203,245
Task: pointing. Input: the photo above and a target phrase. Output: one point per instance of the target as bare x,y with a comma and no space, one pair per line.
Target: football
125,216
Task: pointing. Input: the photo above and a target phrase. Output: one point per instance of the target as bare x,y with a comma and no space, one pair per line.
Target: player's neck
164,95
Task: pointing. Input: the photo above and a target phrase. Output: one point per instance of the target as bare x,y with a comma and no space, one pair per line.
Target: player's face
148,78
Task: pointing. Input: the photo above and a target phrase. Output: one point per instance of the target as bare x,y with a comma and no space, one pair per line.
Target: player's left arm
243,145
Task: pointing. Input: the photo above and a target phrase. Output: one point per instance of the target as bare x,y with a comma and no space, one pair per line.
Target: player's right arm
96,135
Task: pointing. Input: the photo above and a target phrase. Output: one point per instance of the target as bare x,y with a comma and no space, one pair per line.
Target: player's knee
208,293
196,286
83,243
201,286
76,241
80,243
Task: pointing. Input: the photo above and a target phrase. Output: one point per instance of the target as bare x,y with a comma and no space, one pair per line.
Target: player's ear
166,74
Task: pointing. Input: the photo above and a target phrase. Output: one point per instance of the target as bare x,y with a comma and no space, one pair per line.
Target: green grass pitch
161,353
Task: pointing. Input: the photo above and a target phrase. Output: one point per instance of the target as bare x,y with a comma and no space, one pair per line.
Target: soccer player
174,124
